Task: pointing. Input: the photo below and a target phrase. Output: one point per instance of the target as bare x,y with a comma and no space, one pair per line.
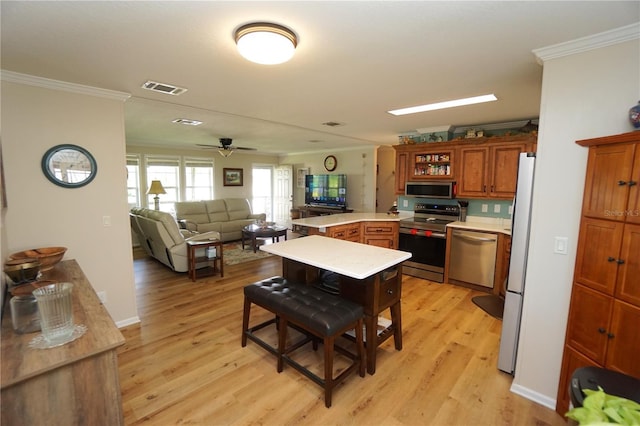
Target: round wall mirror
69,166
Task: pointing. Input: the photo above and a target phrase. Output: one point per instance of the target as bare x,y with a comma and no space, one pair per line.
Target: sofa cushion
235,225
238,208
217,210
192,211
207,227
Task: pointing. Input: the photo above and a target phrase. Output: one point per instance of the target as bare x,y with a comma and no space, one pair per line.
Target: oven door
426,247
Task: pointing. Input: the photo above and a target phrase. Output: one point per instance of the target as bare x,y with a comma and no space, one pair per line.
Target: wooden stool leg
282,341
328,369
245,320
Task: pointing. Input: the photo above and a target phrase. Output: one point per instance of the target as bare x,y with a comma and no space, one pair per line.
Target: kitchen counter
482,226
347,218
343,257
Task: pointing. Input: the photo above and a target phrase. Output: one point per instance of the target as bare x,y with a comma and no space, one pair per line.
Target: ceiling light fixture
225,152
265,43
443,105
187,121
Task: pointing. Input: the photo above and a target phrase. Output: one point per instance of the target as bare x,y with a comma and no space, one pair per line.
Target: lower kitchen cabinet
381,234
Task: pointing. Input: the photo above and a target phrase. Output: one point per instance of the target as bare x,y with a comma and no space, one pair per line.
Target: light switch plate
485,208
560,245
496,208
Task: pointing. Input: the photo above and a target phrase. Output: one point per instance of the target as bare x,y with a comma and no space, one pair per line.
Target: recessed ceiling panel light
443,105
187,121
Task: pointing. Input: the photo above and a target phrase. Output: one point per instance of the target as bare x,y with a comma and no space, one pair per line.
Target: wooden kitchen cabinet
402,168
613,174
381,234
347,232
604,313
489,171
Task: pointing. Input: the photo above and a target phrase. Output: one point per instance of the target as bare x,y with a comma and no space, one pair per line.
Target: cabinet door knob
620,261
632,183
611,335
611,259
601,330
621,183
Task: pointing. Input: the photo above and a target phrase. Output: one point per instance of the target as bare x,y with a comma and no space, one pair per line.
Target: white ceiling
354,61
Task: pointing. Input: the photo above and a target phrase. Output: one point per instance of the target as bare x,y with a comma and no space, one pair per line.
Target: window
133,180
198,179
167,171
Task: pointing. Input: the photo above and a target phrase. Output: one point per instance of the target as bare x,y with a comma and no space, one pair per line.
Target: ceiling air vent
187,121
163,88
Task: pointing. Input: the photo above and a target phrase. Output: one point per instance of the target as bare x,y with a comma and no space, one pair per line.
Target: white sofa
158,233
227,216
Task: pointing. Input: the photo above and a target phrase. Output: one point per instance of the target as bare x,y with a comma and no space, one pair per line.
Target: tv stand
310,211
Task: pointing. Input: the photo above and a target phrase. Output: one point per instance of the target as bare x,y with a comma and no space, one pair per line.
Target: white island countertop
354,260
346,218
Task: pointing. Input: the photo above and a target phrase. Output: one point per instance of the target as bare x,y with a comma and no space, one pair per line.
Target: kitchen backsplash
475,207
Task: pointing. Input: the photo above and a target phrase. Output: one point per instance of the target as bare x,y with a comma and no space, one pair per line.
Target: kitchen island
368,275
378,229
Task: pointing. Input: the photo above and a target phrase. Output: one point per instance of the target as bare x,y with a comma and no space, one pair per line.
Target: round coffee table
254,231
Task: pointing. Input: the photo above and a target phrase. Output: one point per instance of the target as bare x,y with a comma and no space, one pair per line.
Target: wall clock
330,163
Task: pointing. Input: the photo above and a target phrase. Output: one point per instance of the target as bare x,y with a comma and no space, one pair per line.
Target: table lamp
156,188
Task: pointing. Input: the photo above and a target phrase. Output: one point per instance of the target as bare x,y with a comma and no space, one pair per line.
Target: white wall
41,214
359,164
584,95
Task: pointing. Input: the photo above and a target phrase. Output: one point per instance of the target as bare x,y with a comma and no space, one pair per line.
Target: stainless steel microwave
444,189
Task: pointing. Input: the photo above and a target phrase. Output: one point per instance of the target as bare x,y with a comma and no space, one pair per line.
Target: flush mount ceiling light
265,43
443,105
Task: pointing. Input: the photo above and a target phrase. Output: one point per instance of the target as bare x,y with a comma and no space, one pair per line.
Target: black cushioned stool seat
314,311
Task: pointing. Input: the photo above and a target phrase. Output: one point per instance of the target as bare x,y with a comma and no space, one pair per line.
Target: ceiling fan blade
245,148
207,146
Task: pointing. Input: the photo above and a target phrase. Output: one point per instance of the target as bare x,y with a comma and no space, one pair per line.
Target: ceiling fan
225,148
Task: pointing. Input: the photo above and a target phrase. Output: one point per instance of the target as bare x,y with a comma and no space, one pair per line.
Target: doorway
272,192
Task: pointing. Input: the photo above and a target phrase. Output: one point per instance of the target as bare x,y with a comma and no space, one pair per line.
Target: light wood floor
183,364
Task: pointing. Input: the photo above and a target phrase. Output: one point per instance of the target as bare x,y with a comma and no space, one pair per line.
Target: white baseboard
128,321
534,396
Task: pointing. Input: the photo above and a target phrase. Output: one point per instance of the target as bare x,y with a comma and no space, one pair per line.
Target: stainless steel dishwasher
473,257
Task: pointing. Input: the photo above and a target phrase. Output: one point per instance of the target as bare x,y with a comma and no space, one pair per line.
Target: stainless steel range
425,237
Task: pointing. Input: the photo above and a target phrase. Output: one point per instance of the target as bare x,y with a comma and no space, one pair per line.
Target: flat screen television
326,190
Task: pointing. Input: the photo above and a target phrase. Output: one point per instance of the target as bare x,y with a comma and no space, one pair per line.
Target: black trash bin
612,382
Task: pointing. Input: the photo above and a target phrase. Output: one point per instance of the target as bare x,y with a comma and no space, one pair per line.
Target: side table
194,259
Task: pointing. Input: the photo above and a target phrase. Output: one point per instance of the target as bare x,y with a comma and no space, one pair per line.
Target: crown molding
47,83
584,44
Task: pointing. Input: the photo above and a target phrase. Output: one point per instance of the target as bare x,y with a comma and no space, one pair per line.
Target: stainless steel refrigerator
520,224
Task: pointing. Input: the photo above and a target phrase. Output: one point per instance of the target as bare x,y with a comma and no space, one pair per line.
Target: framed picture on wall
302,173
232,177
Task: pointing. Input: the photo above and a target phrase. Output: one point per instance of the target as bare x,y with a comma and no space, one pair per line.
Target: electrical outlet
102,295
496,208
485,208
405,203
106,220
511,209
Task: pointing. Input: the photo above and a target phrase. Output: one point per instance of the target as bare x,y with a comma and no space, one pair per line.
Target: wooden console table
73,384
368,275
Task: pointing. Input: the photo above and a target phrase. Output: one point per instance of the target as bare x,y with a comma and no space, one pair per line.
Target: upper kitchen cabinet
490,170
611,187
431,164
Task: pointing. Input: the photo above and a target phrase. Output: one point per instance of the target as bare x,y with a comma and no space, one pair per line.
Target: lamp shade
156,188
265,43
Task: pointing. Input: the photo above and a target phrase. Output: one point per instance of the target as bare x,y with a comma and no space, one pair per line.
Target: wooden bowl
47,256
22,270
